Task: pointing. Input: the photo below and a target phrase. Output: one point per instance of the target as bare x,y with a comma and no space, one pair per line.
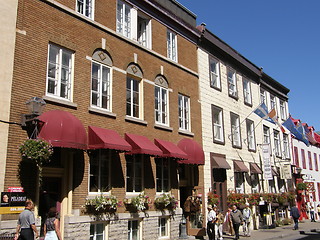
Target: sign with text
267,171
285,172
12,202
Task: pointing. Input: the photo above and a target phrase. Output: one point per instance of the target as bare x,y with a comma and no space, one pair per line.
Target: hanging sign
267,171
285,172
12,202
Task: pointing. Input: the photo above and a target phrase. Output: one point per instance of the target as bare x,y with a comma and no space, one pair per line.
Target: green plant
301,186
138,203
165,201
37,150
213,199
287,221
270,197
101,204
254,198
278,223
236,198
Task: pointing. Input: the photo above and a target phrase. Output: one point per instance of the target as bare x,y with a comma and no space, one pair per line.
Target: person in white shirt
211,218
246,219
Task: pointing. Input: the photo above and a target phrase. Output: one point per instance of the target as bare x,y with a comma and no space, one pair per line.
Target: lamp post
183,228
29,122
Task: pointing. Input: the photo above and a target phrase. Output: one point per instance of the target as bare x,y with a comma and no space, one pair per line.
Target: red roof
295,121
62,129
317,137
101,138
142,145
169,149
193,150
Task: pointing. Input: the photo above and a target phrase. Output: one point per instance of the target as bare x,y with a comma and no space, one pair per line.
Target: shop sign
285,172
12,202
267,172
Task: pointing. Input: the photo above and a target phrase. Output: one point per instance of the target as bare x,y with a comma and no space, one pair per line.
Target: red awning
101,138
219,161
239,166
62,129
254,168
169,149
193,150
142,145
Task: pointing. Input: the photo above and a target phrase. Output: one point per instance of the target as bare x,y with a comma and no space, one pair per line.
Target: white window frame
160,163
161,105
251,135
136,159
184,112
255,179
286,147
164,226
132,92
217,124
273,102
215,80
101,153
247,91
263,97
235,130
124,19
144,37
283,112
86,4
172,46
232,83
272,185
58,73
277,145
94,235
239,181
130,229
101,85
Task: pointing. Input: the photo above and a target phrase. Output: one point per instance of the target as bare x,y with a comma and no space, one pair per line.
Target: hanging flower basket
213,199
101,205
139,203
165,201
36,150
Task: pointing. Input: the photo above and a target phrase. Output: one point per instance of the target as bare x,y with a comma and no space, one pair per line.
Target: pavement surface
307,230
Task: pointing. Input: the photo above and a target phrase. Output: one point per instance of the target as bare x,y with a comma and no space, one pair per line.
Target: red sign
15,189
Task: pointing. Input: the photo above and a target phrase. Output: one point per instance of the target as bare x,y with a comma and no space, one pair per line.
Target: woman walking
51,226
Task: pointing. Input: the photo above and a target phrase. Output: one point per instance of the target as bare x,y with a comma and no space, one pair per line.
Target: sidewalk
278,232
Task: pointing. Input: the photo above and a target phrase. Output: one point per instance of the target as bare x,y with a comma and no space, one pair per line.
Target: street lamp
35,105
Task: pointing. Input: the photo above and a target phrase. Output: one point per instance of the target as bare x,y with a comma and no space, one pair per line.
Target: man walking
26,223
246,220
295,214
211,218
237,220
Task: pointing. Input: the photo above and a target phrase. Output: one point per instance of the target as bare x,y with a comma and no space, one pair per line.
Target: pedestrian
51,227
312,214
228,222
318,210
219,224
246,220
237,220
26,223
211,218
295,214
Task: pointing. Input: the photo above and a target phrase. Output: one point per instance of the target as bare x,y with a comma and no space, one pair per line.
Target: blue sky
282,36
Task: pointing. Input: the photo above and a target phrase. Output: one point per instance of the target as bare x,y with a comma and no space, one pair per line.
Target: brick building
120,82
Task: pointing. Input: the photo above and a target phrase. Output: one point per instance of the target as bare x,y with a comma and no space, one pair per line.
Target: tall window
296,156
277,146
217,122
214,73
286,147
303,159
232,83
310,160
134,173
59,75
235,130
315,162
97,231
161,101
133,97
85,7
101,80
272,101
283,112
162,174
172,45
239,182
263,97
124,19
144,31
255,183
250,135
266,135
163,227
133,230
100,170
184,112
247,91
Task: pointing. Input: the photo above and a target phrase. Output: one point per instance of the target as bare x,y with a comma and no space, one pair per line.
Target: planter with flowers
213,198
236,198
165,201
139,203
254,198
101,205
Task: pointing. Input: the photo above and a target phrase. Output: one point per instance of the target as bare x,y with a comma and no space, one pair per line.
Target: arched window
134,93
101,73
161,100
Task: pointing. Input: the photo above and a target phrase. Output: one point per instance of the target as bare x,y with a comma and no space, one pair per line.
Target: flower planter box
134,209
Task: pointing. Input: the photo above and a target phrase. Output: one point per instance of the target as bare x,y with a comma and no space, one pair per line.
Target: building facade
120,82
